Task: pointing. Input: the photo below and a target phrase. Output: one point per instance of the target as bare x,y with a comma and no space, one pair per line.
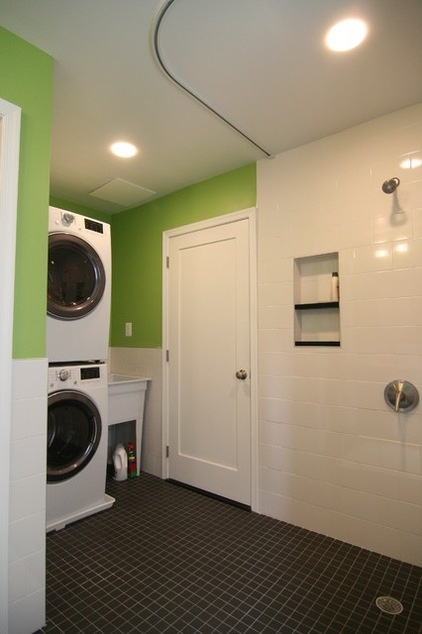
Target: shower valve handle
402,396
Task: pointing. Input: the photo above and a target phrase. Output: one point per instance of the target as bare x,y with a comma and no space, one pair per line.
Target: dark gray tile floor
168,559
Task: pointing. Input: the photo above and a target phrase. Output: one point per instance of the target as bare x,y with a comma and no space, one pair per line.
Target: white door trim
10,116
250,215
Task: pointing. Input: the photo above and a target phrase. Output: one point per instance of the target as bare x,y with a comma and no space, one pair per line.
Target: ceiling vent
123,193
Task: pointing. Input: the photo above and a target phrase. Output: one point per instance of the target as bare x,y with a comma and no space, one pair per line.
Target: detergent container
120,463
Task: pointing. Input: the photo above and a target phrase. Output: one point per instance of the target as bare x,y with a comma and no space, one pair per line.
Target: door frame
250,215
10,121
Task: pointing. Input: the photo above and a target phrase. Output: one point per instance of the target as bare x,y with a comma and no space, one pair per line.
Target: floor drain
389,605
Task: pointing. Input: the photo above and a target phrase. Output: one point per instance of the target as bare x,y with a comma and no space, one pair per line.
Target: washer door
74,431
76,277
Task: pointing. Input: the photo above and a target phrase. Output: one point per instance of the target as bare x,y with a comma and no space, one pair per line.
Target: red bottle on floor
131,471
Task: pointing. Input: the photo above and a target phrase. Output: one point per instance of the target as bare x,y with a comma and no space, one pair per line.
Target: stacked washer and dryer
78,323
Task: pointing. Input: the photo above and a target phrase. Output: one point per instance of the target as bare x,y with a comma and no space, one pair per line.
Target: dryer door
74,432
76,277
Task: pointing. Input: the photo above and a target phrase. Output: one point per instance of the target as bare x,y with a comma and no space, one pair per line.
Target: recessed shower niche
316,300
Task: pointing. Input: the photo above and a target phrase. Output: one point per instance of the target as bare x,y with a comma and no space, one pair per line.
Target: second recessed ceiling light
346,35
123,149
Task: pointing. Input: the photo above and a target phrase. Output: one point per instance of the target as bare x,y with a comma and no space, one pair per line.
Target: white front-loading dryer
77,438
79,287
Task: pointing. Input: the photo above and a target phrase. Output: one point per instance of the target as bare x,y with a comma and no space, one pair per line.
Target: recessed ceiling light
346,35
411,163
123,149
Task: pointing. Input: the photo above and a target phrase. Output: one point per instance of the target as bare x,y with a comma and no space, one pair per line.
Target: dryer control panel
60,377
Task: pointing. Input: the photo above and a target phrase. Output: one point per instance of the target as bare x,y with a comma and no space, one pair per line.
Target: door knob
241,374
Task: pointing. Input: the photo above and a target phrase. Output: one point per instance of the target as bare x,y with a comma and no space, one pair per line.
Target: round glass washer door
73,434
76,277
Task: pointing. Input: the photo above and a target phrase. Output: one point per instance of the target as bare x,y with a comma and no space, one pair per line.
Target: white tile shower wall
333,457
27,496
145,362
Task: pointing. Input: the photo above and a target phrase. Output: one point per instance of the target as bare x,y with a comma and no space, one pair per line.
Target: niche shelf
317,314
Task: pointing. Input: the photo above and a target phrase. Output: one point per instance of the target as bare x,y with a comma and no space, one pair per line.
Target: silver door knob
241,374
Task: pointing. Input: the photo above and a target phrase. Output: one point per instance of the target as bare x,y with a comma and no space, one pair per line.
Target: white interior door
209,359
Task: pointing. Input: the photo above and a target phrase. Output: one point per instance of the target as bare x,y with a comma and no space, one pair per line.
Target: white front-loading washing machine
79,287
76,443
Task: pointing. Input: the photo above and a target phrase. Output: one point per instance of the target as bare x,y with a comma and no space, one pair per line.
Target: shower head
390,186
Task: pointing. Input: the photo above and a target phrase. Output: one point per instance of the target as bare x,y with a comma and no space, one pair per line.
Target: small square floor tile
165,559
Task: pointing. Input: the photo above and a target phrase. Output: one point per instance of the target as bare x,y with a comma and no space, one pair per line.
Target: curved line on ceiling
159,58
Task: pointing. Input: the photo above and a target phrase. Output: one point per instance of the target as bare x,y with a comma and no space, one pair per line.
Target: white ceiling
261,64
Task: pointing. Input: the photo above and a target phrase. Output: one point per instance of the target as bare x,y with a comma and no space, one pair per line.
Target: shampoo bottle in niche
120,463
335,294
131,460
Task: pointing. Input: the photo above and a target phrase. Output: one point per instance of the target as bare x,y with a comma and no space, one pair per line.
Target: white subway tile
355,233
409,487
276,340
17,580
369,312
29,378
366,478
417,222
269,247
26,537
410,193
400,456
27,613
280,269
373,258
276,457
398,225
383,340
409,549
407,254
276,293
378,285
35,571
362,450
408,427
29,418
270,433
27,575
361,367
27,496
274,481
304,414
275,317
28,458
314,467
381,510
273,363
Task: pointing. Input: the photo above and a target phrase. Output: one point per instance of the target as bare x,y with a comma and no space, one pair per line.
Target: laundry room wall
137,248
333,457
137,282
80,209
26,81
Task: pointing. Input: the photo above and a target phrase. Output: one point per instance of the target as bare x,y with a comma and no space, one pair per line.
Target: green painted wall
79,209
26,80
137,249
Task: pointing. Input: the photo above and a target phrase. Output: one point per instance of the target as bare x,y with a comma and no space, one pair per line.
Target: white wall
27,496
333,457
